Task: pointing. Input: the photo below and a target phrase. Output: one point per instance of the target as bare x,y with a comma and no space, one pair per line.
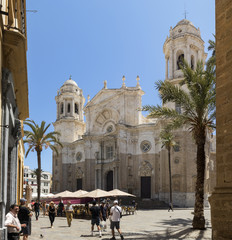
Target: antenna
185,12
34,11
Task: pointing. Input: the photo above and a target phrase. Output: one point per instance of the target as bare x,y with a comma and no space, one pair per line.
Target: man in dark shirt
103,209
36,209
95,211
24,218
60,208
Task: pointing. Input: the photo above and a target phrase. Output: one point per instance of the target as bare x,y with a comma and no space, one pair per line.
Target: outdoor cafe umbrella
98,193
79,193
65,194
117,192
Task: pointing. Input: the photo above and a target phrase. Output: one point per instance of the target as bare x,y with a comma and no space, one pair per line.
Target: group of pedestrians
101,213
18,221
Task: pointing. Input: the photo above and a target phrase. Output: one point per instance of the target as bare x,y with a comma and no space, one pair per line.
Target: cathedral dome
184,22
70,82
70,86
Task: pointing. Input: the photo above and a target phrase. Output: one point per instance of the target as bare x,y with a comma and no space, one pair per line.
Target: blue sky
97,40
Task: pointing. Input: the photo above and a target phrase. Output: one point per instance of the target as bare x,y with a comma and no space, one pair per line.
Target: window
45,176
109,152
176,160
32,175
178,108
109,129
180,61
177,147
45,184
145,146
79,156
192,62
61,108
76,109
69,107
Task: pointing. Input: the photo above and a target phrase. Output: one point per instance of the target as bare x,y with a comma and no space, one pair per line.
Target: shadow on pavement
188,233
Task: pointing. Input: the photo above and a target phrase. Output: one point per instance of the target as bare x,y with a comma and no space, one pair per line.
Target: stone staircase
145,203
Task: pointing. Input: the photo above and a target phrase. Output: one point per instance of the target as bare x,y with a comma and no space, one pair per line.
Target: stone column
221,199
166,69
171,63
58,110
72,108
64,108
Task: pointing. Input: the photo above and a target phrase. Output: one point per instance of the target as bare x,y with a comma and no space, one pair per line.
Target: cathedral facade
117,147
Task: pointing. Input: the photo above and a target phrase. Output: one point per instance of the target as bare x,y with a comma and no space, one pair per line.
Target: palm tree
167,140
197,113
37,139
212,59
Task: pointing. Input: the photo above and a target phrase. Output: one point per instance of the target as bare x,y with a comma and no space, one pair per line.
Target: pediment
103,96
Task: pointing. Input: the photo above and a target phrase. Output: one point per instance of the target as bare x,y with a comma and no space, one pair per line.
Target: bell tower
184,42
70,118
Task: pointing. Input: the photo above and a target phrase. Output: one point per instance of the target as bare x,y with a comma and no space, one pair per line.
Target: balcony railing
102,161
14,15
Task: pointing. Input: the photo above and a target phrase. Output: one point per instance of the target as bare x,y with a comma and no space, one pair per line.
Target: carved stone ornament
145,169
79,173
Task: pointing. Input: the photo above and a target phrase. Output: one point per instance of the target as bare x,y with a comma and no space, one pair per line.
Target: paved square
145,224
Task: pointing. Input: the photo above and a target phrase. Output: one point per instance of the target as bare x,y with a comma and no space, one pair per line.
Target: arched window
192,62
61,108
180,61
69,107
76,109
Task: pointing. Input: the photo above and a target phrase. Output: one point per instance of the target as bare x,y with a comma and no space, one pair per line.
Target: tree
212,59
38,139
167,140
197,113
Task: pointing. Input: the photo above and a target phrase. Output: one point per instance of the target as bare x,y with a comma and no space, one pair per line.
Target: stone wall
221,200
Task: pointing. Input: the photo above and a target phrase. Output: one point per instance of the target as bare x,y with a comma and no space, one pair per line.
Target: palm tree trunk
199,219
39,175
170,176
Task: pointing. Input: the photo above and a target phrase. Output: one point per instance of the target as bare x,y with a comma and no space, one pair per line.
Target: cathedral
117,147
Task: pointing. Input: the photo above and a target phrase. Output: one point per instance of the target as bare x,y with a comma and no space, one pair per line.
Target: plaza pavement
145,224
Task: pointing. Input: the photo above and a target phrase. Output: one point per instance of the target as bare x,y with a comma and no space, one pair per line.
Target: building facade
31,179
117,147
14,103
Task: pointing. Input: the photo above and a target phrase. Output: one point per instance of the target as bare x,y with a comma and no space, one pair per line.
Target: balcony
15,17
103,161
14,45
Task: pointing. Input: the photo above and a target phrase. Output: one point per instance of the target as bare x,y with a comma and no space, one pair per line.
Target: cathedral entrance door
109,181
79,183
145,187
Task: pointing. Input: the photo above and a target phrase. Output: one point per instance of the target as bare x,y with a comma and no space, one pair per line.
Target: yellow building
13,102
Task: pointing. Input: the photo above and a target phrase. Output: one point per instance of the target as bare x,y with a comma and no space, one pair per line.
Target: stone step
145,203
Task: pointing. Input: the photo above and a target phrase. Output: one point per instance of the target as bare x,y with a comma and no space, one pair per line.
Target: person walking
115,213
37,209
24,216
170,207
52,213
12,223
44,208
69,213
95,211
60,208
